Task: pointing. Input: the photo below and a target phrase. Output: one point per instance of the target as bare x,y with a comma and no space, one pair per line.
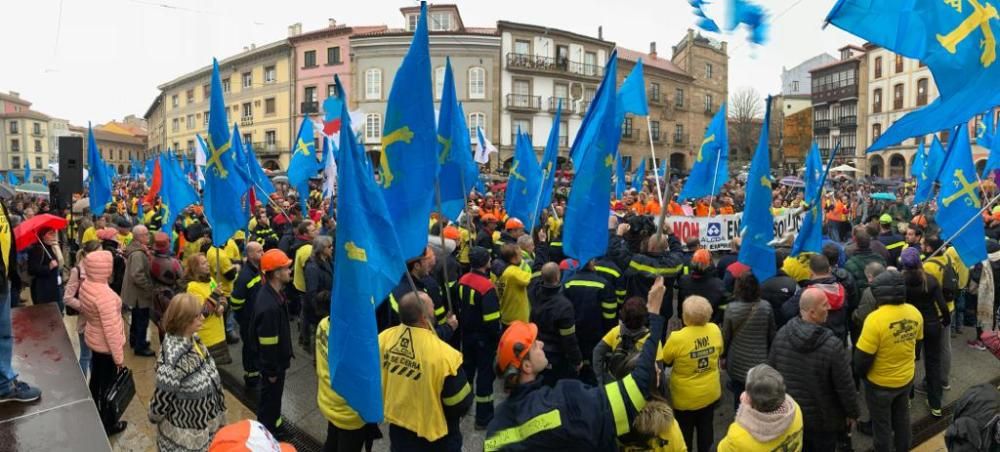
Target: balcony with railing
582,107
848,121
246,121
524,62
37,133
524,102
309,107
567,106
680,139
821,124
263,147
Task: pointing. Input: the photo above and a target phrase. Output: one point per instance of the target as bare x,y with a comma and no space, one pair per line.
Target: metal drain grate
302,441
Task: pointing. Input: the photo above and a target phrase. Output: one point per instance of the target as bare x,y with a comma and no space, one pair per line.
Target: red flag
154,188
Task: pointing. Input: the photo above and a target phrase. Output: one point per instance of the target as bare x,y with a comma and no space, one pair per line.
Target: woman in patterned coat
188,405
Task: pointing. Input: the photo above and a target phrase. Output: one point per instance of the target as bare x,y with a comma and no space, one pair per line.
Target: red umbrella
27,233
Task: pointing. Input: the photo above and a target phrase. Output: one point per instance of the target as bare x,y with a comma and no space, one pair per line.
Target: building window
477,83
38,159
247,79
476,121
15,145
899,63
247,138
411,22
521,125
175,124
247,110
190,122
13,127
561,91
795,86
897,96
440,22
922,92
876,131
678,131
190,146
36,128
206,119
708,70
189,95
206,92
225,85
310,94
679,98
270,138
877,100
654,128
373,127
878,67
708,102
590,63
654,92
331,90
15,162
270,74
333,55
269,106
38,145
174,101
177,146
522,47
309,58
627,127
373,84
563,134
438,82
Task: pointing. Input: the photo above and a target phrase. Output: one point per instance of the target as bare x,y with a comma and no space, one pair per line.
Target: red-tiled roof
659,63
479,31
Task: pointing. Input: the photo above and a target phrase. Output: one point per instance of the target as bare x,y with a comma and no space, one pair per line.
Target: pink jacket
101,307
71,292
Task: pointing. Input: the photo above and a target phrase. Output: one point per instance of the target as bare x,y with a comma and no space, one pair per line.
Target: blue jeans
7,373
85,355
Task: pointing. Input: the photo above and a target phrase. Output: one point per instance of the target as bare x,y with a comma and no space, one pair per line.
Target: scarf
984,306
766,427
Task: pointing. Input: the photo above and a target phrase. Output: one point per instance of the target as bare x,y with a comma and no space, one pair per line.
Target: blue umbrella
884,196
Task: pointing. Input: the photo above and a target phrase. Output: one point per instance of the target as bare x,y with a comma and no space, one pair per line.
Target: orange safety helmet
513,223
514,346
274,259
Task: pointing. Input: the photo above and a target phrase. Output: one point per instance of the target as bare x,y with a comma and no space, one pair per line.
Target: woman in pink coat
105,334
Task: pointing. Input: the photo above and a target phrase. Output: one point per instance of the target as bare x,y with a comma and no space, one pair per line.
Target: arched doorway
677,163
876,166
897,166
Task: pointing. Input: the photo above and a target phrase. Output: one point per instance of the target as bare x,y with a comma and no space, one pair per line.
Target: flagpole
444,262
715,178
652,151
966,225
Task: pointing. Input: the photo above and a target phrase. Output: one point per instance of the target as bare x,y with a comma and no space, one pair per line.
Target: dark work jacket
585,414
706,285
777,290
929,300
45,280
644,268
595,307
553,313
319,284
270,320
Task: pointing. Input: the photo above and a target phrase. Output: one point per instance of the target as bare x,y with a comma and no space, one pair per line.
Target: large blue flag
925,183
758,227
524,182
632,94
993,161
223,183
986,129
369,264
459,172
550,158
585,231
957,41
640,176
241,168
751,15
619,178
14,180
959,203
810,237
175,190
99,185
27,172
919,161
261,183
304,163
409,158
711,167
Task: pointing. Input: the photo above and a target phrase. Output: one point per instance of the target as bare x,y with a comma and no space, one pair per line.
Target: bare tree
746,110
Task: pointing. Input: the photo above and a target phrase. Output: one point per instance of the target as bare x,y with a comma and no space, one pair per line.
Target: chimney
333,22
600,32
652,50
295,29
253,46
15,94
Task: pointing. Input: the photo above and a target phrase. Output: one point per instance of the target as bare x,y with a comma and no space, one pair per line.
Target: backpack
620,361
974,425
949,280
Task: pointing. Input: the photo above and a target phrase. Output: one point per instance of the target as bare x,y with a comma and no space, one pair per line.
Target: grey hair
320,243
765,388
874,269
524,240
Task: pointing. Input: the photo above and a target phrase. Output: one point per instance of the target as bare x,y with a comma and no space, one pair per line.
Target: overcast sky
102,60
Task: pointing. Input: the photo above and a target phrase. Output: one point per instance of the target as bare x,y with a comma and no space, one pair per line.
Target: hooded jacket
101,307
814,364
836,295
780,429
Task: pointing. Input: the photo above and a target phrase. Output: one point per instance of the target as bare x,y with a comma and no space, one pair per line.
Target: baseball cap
478,257
247,436
885,219
274,259
514,345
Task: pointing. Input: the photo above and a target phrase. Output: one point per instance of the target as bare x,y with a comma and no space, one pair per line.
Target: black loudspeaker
70,170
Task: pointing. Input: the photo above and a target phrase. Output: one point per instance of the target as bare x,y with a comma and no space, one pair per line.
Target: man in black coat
814,364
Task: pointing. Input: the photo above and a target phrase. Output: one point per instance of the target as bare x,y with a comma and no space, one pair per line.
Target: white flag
330,171
483,147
